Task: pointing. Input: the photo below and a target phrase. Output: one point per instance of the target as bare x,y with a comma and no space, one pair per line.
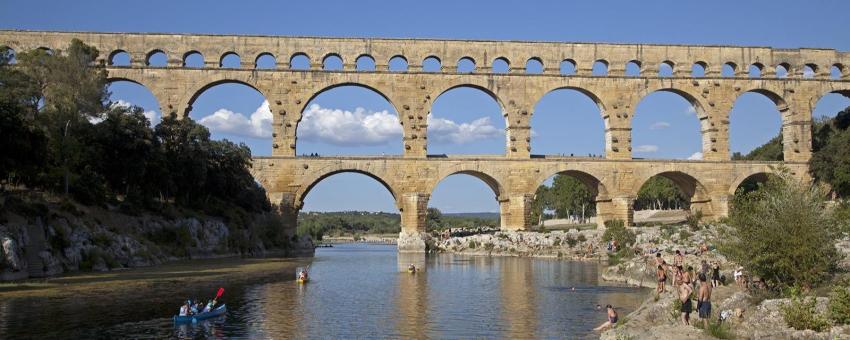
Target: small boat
220,310
411,270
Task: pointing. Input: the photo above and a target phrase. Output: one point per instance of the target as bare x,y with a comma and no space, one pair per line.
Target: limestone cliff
45,239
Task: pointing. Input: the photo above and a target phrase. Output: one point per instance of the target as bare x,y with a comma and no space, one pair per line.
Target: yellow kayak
302,281
412,271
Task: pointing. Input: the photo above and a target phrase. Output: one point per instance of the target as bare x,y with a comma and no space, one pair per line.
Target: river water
359,291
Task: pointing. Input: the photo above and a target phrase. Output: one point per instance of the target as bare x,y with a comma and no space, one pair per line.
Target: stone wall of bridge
515,175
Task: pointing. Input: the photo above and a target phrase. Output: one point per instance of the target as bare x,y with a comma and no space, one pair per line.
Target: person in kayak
411,268
303,275
209,307
184,310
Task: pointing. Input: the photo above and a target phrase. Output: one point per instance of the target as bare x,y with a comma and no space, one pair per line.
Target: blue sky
464,121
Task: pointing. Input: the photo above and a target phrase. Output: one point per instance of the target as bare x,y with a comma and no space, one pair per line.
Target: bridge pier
413,237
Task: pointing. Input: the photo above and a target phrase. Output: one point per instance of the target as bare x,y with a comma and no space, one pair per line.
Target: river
357,291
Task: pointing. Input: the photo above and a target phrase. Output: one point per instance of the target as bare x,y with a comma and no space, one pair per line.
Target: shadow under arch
696,193
309,183
592,182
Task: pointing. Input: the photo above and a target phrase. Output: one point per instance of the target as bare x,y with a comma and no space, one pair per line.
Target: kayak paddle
220,292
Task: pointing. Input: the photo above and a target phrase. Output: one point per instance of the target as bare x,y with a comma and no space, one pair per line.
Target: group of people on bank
687,287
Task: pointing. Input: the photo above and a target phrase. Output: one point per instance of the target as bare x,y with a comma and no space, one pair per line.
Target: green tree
660,192
434,218
831,161
782,233
23,144
571,198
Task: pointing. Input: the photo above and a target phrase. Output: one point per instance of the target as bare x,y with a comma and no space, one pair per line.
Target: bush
571,241
473,244
693,220
557,242
581,238
489,246
800,314
782,233
684,235
839,305
616,230
719,330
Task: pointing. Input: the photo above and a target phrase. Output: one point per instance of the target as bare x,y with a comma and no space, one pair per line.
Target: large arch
695,193
472,136
549,119
493,183
755,123
197,92
599,195
315,177
459,191
368,111
124,91
234,110
682,115
753,177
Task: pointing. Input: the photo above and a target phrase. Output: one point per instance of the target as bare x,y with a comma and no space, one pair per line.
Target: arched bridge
794,79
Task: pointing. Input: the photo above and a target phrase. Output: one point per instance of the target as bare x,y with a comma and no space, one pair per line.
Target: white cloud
443,130
691,110
347,128
152,116
258,125
659,125
696,156
646,148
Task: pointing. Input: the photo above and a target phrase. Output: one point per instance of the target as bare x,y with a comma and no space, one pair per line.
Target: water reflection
356,291
518,298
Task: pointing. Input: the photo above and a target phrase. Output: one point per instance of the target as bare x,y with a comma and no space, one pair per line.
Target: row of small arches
500,65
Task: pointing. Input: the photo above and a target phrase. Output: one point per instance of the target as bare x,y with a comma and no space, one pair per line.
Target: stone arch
192,95
666,65
435,59
500,61
779,105
729,69
112,55
568,67
760,175
153,53
531,66
491,181
330,57
696,192
333,86
365,58
316,176
600,68
693,99
300,55
262,55
589,94
633,68
398,63
227,55
782,70
595,182
838,71
469,61
158,101
699,69
481,87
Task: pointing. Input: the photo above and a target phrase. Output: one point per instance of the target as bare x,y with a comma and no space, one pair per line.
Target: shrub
782,233
616,230
489,246
800,314
620,256
693,220
557,242
473,244
581,238
571,241
684,235
839,305
719,330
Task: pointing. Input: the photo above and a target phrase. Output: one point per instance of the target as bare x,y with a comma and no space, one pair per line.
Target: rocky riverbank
751,316
39,239
572,244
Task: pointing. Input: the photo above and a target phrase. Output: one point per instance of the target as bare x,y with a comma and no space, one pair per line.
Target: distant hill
483,215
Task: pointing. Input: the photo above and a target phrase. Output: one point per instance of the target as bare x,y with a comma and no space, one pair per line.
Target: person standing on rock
678,260
715,275
661,275
685,297
704,300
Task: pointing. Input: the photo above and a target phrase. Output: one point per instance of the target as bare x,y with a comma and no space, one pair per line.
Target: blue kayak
220,310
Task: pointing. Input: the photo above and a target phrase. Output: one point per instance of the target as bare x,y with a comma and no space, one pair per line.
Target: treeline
319,224
60,133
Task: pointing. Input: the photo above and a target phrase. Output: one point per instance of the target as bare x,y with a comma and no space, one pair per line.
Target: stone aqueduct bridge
515,175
